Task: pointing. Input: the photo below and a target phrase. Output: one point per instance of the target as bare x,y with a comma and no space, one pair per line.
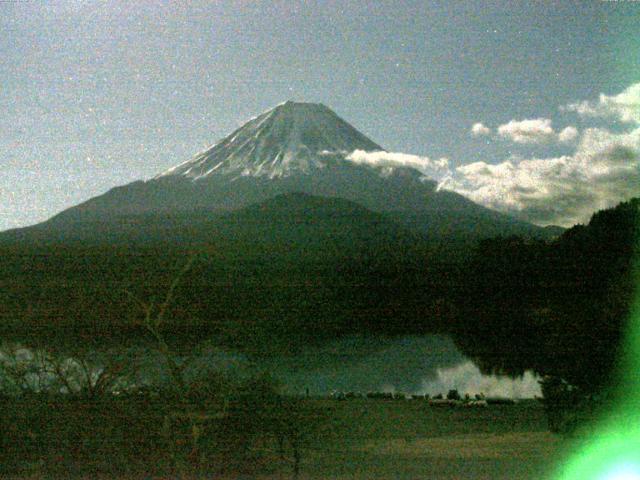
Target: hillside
295,265
294,243
294,147
557,307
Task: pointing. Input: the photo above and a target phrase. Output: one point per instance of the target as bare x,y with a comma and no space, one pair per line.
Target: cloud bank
538,130
434,169
535,131
565,190
625,106
568,134
467,378
603,170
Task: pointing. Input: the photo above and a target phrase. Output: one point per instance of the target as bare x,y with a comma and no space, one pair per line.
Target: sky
532,108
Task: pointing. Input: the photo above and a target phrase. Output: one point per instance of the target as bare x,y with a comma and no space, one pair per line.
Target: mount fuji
293,240
291,138
292,148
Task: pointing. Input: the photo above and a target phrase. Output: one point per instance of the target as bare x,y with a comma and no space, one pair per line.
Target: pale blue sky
98,94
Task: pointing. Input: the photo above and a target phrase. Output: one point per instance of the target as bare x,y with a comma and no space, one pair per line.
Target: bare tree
154,322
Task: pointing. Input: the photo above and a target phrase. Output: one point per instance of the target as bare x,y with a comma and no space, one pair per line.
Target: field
345,439
408,439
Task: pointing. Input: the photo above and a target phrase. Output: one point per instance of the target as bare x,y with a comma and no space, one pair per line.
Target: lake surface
428,364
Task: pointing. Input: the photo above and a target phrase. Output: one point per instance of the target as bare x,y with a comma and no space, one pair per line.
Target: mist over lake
427,364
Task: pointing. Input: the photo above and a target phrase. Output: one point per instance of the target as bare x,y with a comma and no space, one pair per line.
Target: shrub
453,395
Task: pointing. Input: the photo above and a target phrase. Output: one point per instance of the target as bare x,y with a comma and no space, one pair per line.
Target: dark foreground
327,439
408,439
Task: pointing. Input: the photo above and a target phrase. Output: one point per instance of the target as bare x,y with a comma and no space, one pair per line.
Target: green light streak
613,451
614,454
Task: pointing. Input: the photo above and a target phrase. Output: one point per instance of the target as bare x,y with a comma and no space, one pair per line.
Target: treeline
272,281
263,280
214,426
257,304
73,411
559,308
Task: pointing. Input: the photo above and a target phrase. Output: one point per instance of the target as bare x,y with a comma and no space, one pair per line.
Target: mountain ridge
297,147
292,136
340,248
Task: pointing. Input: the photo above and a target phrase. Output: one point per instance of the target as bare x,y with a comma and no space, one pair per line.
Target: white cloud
434,169
467,378
625,106
568,134
538,130
529,131
604,170
479,130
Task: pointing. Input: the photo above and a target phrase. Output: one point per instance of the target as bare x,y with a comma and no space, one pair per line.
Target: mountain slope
297,147
285,218
292,267
293,241
559,308
293,137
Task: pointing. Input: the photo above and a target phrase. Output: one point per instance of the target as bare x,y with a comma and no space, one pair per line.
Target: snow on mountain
292,137
294,148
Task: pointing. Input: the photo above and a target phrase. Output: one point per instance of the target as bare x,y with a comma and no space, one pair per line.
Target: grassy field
408,439
349,439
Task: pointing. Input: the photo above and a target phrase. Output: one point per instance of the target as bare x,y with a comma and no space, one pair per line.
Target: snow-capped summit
293,136
294,148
